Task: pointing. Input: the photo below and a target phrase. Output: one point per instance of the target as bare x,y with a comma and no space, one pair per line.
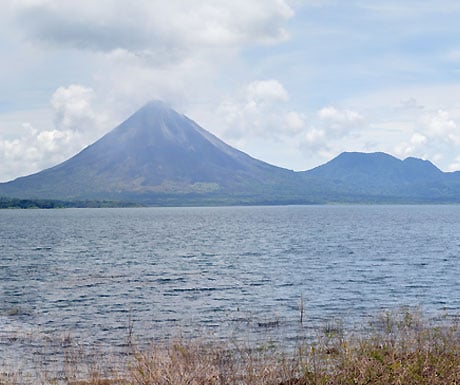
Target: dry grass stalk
402,350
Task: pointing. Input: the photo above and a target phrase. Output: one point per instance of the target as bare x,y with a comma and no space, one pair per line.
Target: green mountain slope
379,177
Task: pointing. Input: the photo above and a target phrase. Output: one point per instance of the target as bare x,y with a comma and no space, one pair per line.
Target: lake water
96,274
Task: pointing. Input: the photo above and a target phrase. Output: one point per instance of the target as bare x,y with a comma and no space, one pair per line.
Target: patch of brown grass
400,350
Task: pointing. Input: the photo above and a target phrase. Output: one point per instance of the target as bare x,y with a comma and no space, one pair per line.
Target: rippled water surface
95,274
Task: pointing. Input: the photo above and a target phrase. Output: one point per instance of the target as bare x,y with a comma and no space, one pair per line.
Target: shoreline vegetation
397,348
48,204
16,203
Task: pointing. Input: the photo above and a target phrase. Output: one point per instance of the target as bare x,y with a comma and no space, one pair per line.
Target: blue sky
293,83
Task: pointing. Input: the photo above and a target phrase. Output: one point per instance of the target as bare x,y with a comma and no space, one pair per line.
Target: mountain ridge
158,156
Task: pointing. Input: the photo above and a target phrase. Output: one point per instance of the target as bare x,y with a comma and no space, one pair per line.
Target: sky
290,82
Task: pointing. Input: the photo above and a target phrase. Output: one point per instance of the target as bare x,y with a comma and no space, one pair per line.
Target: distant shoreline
47,204
16,203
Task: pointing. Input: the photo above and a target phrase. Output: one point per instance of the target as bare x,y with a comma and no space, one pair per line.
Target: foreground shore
397,349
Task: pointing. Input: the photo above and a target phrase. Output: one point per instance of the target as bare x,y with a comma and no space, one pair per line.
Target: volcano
155,152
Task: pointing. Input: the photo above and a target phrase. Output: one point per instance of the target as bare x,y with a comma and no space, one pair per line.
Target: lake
98,275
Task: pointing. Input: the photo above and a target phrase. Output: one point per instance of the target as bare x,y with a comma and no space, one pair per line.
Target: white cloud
414,147
435,138
259,110
259,121
315,138
441,126
455,165
266,91
295,121
420,121
340,120
262,123
418,139
35,150
72,108
76,125
166,28
331,132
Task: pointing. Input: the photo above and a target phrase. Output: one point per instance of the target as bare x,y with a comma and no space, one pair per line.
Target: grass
398,349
